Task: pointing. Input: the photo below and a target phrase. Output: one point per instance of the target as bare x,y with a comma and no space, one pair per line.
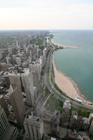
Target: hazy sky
46,14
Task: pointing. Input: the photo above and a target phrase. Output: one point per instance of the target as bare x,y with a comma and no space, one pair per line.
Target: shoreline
64,46
68,86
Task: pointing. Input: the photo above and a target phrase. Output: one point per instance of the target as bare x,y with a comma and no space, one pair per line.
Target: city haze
60,14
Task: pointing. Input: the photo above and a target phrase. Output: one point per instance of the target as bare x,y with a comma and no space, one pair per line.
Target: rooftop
67,104
53,138
12,74
26,71
91,114
33,119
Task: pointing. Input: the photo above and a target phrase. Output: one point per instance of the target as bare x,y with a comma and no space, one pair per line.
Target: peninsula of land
64,46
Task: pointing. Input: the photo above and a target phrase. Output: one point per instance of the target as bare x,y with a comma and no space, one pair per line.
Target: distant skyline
42,14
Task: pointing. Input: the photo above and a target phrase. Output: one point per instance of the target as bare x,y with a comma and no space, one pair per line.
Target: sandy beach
68,86
64,46
64,83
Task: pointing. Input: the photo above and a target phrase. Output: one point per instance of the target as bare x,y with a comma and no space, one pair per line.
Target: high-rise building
4,124
10,50
15,80
16,99
35,92
4,105
8,60
24,46
26,49
17,45
66,112
41,60
33,127
14,57
91,117
35,79
27,80
38,53
91,128
7,132
35,68
44,54
17,103
86,123
18,61
56,121
31,55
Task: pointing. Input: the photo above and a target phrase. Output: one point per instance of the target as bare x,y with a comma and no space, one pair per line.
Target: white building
34,45
17,45
14,57
8,60
24,46
66,112
78,99
35,92
10,50
91,117
27,80
34,68
31,54
33,127
30,57
35,79
41,60
18,61
44,54
37,53
26,49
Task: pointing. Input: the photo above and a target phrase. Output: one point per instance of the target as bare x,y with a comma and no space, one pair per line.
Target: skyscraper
3,104
18,60
33,127
7,131
10,50
27,80
91,128
66,112
35,79
35,68
16,98
91,117
4,124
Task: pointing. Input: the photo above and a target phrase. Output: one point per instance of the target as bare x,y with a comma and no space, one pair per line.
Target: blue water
76,63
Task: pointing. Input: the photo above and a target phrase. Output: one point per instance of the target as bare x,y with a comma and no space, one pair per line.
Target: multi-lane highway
48,83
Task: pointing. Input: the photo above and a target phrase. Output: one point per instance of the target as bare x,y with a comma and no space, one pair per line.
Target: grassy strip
57,48
72,99
54,104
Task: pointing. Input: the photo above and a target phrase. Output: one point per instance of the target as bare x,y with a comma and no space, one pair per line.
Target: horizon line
40,29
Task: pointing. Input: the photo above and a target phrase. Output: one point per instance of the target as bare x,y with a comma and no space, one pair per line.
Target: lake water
77,64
